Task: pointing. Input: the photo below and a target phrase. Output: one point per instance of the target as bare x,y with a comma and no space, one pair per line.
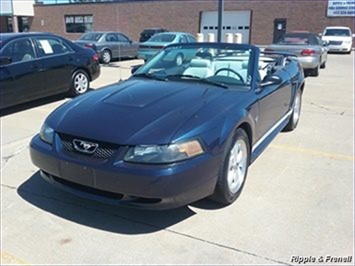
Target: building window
78,23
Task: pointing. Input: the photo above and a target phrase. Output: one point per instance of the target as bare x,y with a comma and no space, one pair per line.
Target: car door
112,43
274,102
58,63
21,77
128,48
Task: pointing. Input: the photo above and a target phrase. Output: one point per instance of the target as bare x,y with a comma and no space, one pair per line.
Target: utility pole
220,19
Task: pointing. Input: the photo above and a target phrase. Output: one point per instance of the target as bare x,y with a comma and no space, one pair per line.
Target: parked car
146,34
157,42
36,65
311,51
109,45
340,39
173,134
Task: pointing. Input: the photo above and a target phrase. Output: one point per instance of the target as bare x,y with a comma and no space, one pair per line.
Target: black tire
179,59
323,65
348,52
106,56
315,71
80,83
296,112
228,188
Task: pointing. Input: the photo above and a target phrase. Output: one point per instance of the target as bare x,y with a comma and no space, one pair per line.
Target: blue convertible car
173,133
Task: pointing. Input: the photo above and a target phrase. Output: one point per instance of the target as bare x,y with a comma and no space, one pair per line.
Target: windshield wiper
150,76
192,77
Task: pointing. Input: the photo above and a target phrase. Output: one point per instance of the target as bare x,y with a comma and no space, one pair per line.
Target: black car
37,65
147,33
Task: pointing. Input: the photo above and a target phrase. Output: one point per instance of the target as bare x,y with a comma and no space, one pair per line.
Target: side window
183,39
19,51
52,46
111,37
122,38
190,38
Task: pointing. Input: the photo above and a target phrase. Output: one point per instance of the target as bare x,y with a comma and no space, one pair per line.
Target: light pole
220,19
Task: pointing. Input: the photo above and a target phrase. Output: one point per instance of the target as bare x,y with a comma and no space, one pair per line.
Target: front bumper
340,48
117,182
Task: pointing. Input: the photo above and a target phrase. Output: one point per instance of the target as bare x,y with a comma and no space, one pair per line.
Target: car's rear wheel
79,83
315,71
296,112
106,57
234,168
179,59
323,65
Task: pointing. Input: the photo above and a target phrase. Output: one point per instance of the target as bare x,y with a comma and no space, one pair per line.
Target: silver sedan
109,45
311,51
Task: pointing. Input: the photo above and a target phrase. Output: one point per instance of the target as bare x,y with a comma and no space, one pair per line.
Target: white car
340,39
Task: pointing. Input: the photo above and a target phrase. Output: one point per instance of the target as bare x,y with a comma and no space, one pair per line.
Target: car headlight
347,42
46,134
164,153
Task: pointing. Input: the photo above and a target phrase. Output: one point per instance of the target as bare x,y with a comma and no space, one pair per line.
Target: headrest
200,63
245,64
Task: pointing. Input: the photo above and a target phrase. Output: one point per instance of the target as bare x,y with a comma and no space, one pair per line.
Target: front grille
335,42
105,150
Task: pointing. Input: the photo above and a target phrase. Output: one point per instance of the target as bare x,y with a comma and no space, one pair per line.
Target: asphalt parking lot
298,199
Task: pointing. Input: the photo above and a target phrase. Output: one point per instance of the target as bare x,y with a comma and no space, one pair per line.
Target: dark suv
147,33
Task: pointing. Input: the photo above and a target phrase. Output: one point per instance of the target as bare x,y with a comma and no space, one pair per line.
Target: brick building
262,19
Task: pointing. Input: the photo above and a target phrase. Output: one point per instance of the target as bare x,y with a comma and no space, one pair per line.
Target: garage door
233,22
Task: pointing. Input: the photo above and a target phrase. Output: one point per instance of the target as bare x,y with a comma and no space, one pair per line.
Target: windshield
337,32
91,37
221,64
166,37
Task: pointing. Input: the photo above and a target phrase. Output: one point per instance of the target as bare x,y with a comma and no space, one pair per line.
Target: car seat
199,68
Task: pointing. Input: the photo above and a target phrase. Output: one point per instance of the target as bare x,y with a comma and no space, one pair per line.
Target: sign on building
341,8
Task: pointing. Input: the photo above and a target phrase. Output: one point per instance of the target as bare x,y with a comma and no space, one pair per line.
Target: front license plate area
77,173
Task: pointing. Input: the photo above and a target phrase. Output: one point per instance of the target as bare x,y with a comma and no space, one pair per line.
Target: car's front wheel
79,83
234,168
296,112
106,57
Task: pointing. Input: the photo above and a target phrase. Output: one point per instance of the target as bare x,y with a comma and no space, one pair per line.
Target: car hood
138,111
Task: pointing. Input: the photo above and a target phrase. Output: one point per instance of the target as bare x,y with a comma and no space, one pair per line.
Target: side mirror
5,60
325,43
135,68
271,80
353,35
320,34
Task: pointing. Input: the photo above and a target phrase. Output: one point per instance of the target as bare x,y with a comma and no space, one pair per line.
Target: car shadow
34,104
116,219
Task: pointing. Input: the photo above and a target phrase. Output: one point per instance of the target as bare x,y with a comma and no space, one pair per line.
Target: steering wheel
230,70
